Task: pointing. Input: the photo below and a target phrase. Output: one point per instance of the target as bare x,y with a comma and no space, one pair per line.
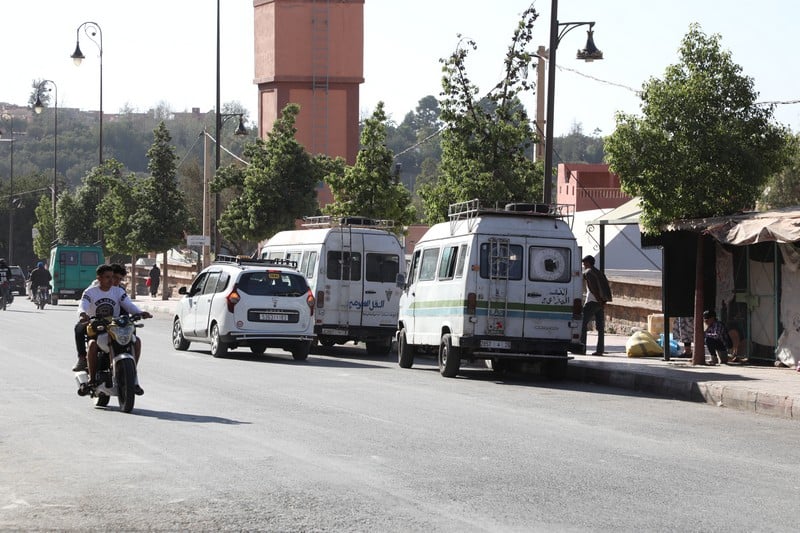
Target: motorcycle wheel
125,376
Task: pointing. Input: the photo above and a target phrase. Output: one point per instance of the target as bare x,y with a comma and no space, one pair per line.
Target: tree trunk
164,276
699,351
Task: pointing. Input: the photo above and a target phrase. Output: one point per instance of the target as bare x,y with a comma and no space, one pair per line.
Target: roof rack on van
326,221
245,260
473,208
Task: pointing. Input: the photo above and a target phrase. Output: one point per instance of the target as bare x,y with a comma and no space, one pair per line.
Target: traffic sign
198,240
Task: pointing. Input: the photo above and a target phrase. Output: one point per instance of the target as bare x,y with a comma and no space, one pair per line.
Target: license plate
332,331
67,291
500,345
272,317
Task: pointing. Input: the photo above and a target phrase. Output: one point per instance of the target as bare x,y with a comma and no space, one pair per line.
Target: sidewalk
763,390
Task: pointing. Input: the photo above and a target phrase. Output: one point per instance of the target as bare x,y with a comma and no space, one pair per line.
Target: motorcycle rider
5,280
105,300
40,277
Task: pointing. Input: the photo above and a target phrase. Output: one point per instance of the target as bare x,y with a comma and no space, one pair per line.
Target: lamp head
38,107
77,56
240,129
590,52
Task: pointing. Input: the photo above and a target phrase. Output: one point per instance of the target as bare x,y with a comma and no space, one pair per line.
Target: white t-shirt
97,302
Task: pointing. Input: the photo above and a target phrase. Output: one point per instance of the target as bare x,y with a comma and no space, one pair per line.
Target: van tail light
233,298
320,299
310,301
577,308
472,303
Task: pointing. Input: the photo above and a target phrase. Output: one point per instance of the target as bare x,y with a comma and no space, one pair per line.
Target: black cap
588,259
709,314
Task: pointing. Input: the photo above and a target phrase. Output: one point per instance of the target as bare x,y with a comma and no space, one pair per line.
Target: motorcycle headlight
123,335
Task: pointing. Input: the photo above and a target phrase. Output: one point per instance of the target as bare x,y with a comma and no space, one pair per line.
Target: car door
205,300
188,306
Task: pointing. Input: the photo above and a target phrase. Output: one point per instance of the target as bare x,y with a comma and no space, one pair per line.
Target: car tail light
233,298
310,301
577,308
320,299
472,302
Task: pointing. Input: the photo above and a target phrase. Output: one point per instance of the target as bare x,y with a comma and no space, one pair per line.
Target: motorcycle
116,366
42,296
6,297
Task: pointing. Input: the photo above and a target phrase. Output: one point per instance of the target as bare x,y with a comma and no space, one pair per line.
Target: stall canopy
777,225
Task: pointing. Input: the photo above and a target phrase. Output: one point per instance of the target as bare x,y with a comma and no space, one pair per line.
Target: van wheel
405,352
449,358
381,347
218,347
556,369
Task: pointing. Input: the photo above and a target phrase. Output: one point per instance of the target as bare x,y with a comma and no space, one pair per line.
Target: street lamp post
10,119
588,54
38,107
92,30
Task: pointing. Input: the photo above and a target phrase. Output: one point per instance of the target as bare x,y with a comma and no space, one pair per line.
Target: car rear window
272,283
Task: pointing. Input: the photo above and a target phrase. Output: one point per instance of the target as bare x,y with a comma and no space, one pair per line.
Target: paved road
346,442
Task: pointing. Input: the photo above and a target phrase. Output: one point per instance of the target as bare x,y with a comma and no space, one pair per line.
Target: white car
246,302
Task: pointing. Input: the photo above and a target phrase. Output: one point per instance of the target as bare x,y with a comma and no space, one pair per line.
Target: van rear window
90,258
501,260
344,265
549,264
382,267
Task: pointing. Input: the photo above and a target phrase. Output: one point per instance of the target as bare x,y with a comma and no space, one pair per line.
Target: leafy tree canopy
486,141
371,188
702,146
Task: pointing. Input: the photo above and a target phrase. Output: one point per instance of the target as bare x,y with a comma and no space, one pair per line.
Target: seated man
105,300
716,337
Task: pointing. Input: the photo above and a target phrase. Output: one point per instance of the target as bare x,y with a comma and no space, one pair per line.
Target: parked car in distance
18,280
246,302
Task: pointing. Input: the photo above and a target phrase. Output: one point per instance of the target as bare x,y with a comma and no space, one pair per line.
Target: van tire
405,352
449,357
381,347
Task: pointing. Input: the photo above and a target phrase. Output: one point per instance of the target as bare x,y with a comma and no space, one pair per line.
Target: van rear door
549,289
343,270
380,300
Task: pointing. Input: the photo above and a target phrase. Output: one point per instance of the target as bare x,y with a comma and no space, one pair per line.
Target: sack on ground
642,344
674,347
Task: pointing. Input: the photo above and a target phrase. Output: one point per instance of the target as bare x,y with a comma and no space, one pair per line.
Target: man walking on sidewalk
598,292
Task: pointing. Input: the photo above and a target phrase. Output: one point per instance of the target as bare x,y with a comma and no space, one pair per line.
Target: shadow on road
185,417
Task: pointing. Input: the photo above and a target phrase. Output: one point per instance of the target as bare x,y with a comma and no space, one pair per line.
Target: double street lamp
95,34
38,107
588,54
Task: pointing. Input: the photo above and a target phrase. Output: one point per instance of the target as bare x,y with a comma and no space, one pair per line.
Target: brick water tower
311,52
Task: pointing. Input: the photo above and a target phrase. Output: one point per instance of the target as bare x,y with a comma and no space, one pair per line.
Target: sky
164,51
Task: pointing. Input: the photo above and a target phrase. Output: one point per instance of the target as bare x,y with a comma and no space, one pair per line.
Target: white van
352,265
494,284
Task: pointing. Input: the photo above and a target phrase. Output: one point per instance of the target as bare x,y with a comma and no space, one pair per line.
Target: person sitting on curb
716,337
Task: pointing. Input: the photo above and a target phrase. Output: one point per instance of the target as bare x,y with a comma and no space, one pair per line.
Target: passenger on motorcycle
105,300
5,280
118,274
40,277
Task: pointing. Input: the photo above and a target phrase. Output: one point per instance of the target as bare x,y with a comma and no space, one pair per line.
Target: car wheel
300,350
178,340
405,352
219,348
449,358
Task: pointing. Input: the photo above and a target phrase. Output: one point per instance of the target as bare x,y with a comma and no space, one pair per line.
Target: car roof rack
327,221
249,261
471,209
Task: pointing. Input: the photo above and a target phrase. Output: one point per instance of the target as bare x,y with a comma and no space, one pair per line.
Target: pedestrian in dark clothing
717,339
155,280
598,293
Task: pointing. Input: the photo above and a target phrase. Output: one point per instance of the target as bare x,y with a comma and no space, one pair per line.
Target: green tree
77,220
783,188
702,146
160,218
44,227
277,187
485,141
370,188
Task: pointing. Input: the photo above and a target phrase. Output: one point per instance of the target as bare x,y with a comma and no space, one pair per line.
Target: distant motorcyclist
5,281
40,277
